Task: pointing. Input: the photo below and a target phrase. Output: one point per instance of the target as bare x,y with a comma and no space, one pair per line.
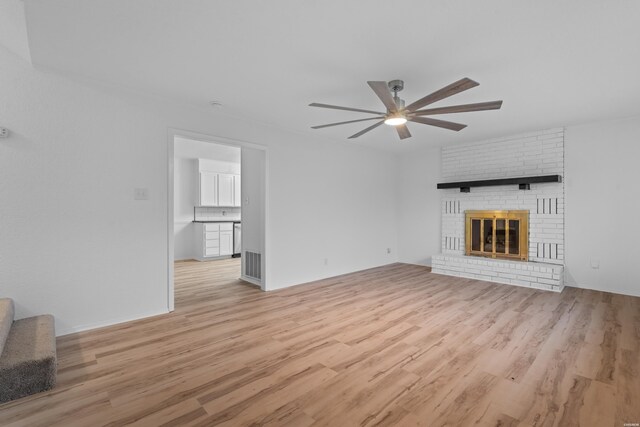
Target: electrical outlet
140,194
595,264
388,250
4,133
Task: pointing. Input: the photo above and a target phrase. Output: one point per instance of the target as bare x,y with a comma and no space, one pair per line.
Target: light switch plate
140,194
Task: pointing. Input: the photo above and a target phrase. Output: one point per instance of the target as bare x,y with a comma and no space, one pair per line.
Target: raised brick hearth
529,274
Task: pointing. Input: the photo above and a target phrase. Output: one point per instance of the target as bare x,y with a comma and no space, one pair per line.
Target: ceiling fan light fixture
395,120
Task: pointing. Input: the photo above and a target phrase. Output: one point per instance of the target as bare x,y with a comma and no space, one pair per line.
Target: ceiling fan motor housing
396,85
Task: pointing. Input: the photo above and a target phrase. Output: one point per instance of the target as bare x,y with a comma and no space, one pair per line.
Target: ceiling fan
398,115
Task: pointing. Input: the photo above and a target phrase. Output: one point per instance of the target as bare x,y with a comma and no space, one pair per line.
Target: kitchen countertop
216,220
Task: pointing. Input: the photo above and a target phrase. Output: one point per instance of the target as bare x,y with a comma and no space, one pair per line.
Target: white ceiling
552,62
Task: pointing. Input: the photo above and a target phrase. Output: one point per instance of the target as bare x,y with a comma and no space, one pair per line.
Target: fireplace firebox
497,234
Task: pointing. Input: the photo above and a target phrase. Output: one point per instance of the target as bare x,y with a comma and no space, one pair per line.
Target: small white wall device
4,132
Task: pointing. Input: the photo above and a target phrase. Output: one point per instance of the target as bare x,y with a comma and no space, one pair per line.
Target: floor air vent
253,265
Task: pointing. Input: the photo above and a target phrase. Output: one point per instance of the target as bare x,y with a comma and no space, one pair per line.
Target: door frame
171,135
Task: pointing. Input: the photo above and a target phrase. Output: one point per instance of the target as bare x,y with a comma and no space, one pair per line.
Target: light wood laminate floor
394,346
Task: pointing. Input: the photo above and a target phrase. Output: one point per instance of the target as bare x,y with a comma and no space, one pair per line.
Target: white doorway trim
171,135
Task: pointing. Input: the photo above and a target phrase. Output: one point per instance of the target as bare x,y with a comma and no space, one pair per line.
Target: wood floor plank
389,346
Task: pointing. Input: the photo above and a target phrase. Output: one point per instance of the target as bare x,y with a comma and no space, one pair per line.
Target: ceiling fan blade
344,123
382,90
447,91
337,107
438,123
480,106
403,131
362,132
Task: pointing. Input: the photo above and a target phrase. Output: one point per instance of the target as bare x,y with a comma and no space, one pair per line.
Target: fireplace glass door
497,234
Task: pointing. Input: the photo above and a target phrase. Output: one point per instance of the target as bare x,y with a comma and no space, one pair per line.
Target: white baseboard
110,322
633,293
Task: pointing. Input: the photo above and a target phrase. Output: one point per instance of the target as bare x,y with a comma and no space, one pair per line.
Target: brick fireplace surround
531,154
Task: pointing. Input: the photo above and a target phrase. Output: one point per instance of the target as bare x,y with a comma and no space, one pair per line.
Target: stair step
7,312
28,363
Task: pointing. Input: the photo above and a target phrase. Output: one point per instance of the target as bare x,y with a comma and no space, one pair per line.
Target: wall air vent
253,265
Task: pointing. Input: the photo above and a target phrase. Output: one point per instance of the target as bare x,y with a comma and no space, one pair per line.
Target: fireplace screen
497,234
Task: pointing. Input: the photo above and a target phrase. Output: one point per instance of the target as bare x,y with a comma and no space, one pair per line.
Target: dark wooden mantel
523,182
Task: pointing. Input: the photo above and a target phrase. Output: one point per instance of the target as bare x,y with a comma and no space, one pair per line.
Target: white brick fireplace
532,154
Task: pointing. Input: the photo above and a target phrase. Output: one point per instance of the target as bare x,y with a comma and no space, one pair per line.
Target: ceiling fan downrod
396,86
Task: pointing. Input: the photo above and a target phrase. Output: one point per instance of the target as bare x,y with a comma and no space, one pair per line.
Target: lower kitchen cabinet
213,240
226,238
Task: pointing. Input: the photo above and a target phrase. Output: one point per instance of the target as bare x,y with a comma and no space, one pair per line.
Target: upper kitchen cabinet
208,189
219,184
237,197
225,190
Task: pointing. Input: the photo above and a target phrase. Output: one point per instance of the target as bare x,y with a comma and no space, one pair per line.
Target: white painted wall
13,28
602,199
419,215
194,149
74,242
337,203
253,201
185,197
219,166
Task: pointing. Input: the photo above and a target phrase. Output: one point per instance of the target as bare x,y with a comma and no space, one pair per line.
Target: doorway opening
217,195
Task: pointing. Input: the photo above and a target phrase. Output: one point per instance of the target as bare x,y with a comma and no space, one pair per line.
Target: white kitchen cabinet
208,189
214,240
225,189
237,196
226,243
220,189
207,241
212,252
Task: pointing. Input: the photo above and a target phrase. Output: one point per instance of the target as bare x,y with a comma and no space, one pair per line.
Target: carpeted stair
27,353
